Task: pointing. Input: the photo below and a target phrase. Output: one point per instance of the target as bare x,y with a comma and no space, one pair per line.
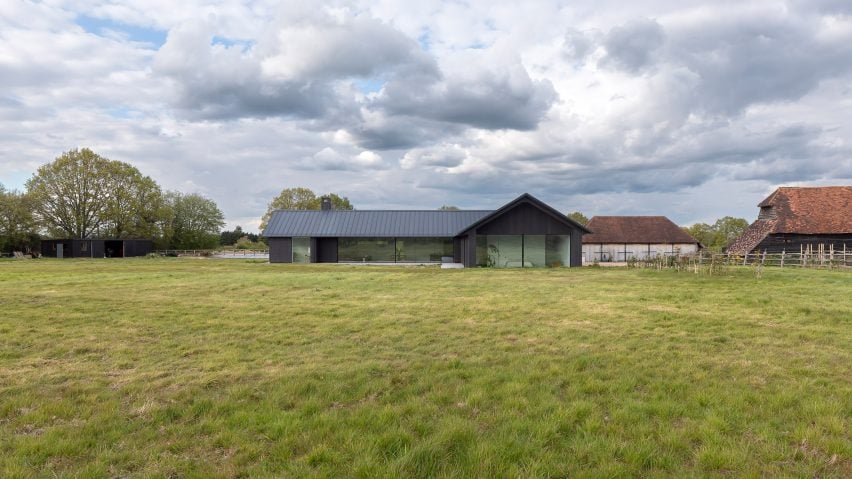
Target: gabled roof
799,210
636,229
396,223
370,223
530,199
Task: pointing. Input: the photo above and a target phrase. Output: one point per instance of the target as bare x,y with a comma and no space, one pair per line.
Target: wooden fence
212,253
814,256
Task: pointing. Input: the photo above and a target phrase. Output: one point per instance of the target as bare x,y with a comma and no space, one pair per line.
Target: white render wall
622,252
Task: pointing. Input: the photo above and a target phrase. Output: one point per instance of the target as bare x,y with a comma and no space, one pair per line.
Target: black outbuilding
526,232
95,248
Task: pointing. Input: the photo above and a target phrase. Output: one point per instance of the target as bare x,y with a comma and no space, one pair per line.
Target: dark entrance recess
326,250
114,249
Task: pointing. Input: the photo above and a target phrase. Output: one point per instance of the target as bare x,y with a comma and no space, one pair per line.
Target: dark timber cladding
525,215
95,248
524,233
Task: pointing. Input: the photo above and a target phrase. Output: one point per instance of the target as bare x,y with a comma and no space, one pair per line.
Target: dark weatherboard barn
795,218
524,233
95,248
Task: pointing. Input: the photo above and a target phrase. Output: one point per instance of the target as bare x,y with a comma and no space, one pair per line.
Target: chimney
325,203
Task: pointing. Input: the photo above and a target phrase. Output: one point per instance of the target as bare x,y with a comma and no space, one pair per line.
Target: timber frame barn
793,219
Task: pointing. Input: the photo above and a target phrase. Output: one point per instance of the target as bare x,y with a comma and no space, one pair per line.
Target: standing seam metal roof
371,223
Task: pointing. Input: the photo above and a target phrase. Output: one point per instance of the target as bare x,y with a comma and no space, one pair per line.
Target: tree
449,208
18,227
719,234
228,238
703,233
195,221
137,207
579,217
81,194
729,229
302,199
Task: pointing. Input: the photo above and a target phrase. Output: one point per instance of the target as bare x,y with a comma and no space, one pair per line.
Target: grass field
230,368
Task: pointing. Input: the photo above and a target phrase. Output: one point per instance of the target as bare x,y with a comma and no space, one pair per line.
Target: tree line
84,195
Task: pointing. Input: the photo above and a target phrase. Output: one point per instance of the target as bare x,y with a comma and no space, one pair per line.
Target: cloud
330,159
757,57
632,46
482,90
577,45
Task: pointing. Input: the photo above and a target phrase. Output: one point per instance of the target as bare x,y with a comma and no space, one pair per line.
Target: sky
692,110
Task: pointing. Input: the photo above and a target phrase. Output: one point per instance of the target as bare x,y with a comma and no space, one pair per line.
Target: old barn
793,219
620,238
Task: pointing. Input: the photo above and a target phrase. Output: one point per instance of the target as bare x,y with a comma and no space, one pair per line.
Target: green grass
229,368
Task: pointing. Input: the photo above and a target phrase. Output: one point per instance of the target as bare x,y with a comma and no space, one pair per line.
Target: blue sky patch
109,28
424,40
369,85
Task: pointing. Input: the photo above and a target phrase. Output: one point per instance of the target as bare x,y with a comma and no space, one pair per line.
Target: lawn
232,368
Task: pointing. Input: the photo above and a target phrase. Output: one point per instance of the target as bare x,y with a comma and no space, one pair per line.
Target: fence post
782,257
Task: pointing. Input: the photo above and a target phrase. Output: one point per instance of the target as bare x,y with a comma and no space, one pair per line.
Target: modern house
523,233
620,238
793,218
95,248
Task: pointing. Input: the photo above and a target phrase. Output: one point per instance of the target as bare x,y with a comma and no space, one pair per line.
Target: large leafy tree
18,227
82,194
195,221
720,233
302,199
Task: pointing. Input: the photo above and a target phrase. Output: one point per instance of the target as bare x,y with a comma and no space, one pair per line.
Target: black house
95,248
524,233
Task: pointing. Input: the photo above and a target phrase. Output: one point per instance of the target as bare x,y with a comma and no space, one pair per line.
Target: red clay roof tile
635,229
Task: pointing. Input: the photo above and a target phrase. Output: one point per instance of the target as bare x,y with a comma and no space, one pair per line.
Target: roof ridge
383,211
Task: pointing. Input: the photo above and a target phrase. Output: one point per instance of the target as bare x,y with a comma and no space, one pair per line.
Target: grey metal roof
371,223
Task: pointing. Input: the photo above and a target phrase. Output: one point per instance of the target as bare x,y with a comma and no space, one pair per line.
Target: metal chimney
325,203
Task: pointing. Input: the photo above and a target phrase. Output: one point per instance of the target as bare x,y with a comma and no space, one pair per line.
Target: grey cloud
292,71
401,132
494,100
324,49
577,45
756,60
823,6
631,46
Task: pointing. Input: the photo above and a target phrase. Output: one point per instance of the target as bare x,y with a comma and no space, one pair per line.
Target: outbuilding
95,248
621,238
795,218
525,232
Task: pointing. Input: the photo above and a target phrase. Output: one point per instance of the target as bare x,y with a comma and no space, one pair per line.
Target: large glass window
504,251
534,251
557,251
423,250
366,250
301,250
523,251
